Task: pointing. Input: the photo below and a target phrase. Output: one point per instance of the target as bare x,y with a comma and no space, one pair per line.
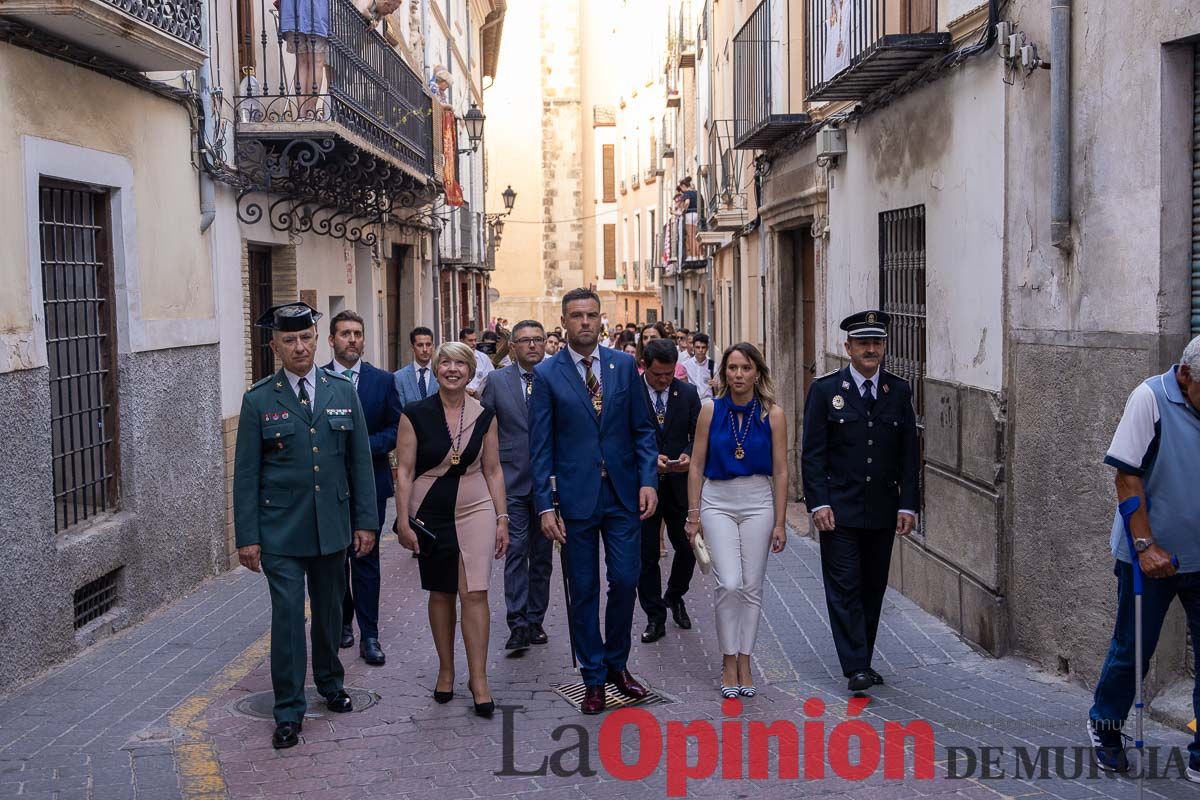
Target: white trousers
737,517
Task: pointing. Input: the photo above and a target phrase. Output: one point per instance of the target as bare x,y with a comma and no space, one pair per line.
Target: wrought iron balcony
760,97
148,35
338,126
857,47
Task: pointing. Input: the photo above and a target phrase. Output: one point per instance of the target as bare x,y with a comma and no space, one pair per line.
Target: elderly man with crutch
1156,453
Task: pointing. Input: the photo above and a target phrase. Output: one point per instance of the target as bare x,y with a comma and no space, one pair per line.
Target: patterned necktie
868,395
422,386
303,395
593,385
528,378
660,408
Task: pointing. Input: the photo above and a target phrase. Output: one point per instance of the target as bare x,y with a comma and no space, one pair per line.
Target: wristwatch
1142,545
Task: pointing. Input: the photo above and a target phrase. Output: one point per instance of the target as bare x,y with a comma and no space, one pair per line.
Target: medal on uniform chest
456,441
741,431
838,402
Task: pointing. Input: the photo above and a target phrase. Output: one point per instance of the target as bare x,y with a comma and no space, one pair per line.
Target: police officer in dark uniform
860,463
303,484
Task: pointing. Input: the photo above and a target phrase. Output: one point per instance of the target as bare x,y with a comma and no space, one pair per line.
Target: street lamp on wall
474,120
496,221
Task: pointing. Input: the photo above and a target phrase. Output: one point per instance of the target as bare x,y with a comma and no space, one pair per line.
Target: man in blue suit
381,408
590,427
416,381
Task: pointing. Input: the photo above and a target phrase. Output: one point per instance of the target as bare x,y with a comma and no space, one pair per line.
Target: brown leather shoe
593,700
627,684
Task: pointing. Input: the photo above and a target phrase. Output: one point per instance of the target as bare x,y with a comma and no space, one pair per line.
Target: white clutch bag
703,558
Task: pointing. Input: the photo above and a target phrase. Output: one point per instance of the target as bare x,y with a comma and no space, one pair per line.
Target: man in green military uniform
303,481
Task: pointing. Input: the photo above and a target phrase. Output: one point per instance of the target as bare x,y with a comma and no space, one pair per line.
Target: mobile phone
674,462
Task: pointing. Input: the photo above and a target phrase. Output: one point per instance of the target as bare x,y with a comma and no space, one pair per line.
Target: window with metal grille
902,297
77,286
262,294
96,598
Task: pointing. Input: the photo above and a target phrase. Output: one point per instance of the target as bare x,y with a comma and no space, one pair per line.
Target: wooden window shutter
608,154
610,252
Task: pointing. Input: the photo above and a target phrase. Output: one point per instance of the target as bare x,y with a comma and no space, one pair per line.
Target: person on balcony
304,27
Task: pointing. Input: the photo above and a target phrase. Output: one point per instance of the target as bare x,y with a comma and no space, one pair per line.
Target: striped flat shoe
748,691
730,692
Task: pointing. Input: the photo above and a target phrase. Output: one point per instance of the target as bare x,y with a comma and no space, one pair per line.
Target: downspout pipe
206,130
1060,124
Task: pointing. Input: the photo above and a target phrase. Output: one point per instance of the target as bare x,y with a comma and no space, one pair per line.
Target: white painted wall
942,147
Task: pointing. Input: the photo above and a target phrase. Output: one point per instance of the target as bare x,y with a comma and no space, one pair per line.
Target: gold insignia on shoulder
838,402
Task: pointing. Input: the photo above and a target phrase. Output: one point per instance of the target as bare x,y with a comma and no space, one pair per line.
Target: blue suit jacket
568,440
407,387
381,407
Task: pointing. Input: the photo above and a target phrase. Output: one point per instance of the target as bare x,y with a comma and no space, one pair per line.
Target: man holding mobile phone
675,406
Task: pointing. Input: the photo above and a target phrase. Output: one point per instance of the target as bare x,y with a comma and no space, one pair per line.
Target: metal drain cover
573,694
262,704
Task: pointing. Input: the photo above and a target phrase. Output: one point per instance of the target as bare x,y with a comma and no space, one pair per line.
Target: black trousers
362,585
683,565
854,565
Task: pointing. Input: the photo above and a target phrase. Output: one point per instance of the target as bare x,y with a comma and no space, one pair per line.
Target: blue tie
422,386
660,407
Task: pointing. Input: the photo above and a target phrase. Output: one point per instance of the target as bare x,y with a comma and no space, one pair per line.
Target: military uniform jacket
862,464
302,479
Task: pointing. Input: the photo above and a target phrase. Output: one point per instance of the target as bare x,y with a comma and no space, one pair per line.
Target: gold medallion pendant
597,403
455,458
662,418
739,453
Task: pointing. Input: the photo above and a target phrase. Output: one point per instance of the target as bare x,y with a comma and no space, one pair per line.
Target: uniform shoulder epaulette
333,374
828,375
262,382
894,375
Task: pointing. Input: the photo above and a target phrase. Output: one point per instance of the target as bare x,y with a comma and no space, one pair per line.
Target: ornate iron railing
179,18
856,47
351,77
752,71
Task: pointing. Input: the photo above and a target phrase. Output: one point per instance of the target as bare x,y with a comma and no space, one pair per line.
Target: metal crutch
1127,508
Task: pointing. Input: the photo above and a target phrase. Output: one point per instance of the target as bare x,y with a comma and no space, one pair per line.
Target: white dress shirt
354,371
578,359
483,366
859,380
665,394
699,375
310,379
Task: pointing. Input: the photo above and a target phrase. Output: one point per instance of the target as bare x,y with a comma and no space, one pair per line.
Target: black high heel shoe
483,709
443,697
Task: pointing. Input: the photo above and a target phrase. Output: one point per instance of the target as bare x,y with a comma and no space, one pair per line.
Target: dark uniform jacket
863,465
302,479
675,436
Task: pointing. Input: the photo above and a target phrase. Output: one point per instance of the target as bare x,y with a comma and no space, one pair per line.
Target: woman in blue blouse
737,492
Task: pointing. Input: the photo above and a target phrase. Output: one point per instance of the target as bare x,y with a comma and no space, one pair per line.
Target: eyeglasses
527,340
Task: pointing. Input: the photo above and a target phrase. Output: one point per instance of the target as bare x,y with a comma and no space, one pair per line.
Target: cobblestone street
150,713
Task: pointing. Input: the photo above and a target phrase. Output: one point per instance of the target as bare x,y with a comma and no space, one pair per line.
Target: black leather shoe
372,653
347,637
680,615
876,678
484,710
593,700
537,635
339,703
627,684
655,630
287,734
860,681
518,640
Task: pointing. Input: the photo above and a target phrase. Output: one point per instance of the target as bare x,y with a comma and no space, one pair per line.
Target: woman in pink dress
450,484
